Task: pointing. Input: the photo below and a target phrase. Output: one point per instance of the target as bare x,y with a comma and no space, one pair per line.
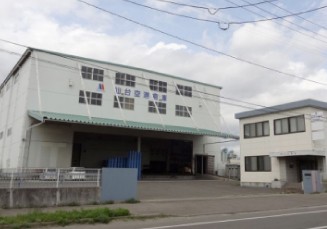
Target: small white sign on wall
319,125
318,135
318,116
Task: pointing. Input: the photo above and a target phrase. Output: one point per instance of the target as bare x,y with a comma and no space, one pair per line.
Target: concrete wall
50,145
42,197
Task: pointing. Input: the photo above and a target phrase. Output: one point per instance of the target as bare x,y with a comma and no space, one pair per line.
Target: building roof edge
121,65
283,107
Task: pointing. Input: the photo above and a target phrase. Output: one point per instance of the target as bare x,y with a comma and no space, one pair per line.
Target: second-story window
92,73
258,129
161,107
184,90
125,79
182,111
93,98
125,103
160,86
289,125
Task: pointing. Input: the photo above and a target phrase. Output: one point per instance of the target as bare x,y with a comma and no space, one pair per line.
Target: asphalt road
313,218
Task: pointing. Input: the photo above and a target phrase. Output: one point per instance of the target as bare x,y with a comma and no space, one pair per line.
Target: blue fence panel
133,160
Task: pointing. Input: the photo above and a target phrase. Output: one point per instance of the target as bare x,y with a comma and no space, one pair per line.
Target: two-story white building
278,142
59,110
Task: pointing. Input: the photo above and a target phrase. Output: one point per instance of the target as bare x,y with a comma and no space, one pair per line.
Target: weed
72,204
131,201
99,215
108,202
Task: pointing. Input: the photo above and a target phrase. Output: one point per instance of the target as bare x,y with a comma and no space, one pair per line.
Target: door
76,157
205,164
310,164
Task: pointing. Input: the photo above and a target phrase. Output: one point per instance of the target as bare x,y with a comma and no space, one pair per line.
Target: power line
290,28
213,10
269,109
248,105
294,14
277,17
175,14
307,20
107,76
203,46
115,71
224,24
295,42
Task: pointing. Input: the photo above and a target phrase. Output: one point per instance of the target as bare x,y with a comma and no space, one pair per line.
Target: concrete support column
139,144
324,175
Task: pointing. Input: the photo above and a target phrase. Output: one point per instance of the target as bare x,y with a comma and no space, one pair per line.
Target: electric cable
286,26
213,10
175,14
303,18
203,46
224,25
277,17
291,22
249,105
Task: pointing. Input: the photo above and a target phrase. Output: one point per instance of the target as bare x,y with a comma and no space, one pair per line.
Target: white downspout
38,84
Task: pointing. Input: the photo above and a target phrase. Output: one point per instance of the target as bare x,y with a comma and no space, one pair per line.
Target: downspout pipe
29,140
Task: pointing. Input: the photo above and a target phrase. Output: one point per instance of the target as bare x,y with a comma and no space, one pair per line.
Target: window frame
90,73
287,127
262,163
254,127
125,79
126,103
157,85
162,107
93,98
184,90
181,111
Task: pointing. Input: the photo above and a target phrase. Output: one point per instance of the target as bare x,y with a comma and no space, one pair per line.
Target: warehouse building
277,143
59,110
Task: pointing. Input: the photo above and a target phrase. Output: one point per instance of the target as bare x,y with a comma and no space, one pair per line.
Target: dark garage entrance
91,150
164,156
159,156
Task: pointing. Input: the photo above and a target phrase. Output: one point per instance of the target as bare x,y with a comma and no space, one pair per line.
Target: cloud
76,29
162,46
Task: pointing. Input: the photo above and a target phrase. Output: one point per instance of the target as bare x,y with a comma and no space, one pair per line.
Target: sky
194,49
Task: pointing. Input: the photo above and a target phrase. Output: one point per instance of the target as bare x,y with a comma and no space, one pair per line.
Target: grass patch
131,201
71,204
108,202
99,215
